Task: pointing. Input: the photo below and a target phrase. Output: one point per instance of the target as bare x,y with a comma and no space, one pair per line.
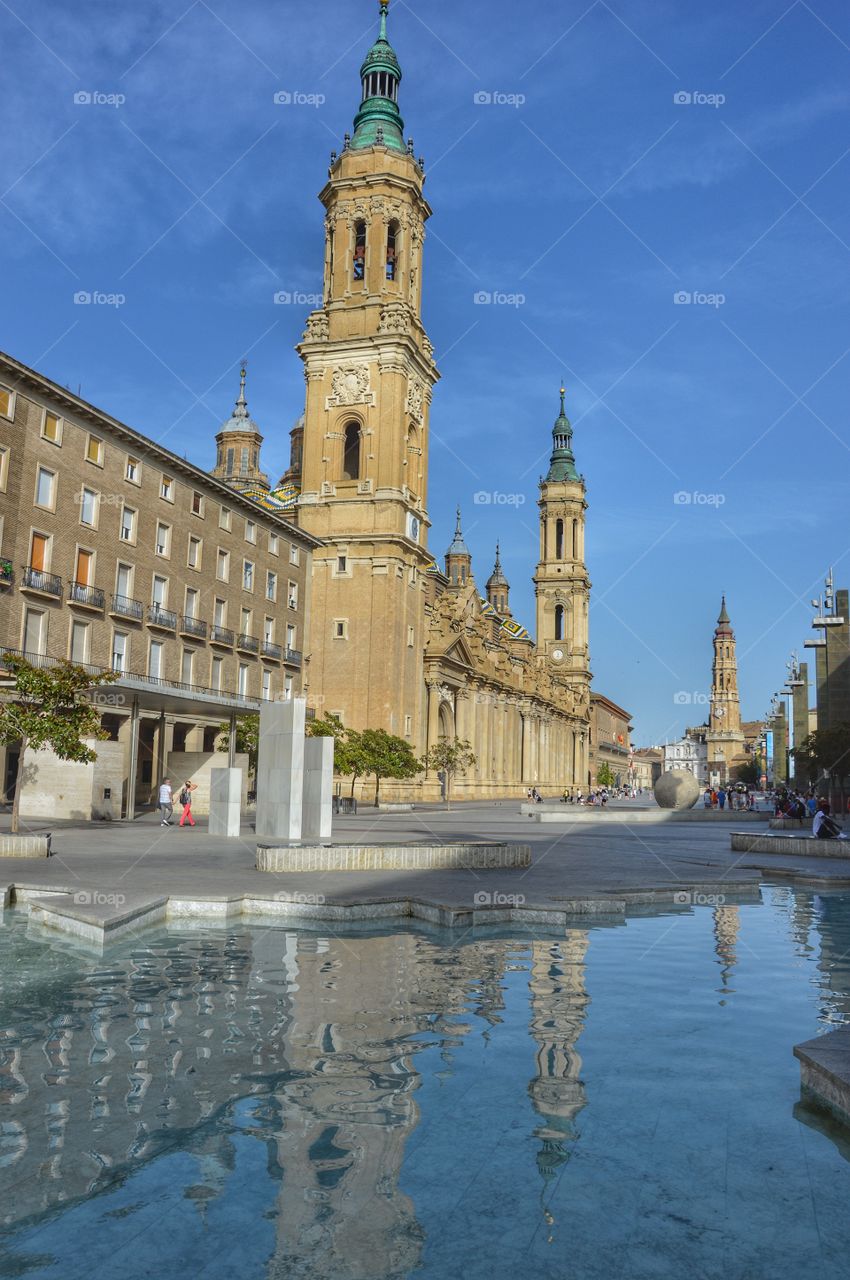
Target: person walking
166,802
185,799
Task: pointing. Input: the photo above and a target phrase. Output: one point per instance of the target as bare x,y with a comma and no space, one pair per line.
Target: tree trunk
448,790
377,788
19,786
353,784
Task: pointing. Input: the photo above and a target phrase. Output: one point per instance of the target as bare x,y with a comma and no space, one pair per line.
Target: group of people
184,799
796,804
600,797
738,800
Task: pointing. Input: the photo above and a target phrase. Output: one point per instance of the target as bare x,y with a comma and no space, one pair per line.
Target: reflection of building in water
146,1045
832,922
348,1110
559,1001
727,925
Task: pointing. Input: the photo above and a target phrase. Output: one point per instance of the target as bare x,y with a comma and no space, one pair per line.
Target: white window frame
251,532
222,560
134,525
5,451
274,543
132,461
13,399
294,554
271,585
249,574
199,543
166,487
51,504
162,545
93,523
225,519
196,493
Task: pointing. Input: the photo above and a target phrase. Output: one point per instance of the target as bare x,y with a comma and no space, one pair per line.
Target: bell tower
725,715
561,582
370,372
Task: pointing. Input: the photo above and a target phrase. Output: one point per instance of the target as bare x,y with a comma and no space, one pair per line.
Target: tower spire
562,464
458,558
723,620
379,122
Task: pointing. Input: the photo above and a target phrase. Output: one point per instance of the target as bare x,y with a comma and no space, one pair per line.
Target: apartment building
120,555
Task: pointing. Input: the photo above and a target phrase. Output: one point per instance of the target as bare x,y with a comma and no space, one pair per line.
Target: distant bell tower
561,582
458,558
725,715
498,589
237,460
370,372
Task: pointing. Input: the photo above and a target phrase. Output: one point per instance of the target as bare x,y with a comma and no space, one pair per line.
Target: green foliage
827,750
350,758
50,707
247,738
387,756
605,776
749,772
450,758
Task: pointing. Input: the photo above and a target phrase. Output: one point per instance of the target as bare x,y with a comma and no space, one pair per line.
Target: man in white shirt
824,827
166,802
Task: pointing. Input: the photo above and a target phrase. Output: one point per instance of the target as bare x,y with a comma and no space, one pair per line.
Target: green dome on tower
379,122
562,464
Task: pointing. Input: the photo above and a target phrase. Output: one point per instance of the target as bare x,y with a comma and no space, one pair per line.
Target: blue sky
583,186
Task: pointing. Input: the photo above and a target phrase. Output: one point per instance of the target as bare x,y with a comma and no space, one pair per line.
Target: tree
349,754
827,751
50,707
604,776
450,758
750,773
387,757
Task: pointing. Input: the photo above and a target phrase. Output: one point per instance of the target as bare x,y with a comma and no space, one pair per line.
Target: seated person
825,827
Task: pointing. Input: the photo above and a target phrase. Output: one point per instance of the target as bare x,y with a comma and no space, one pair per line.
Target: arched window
559,539
575,539
243,461
351,452
392,250
559,622
359,250
230,462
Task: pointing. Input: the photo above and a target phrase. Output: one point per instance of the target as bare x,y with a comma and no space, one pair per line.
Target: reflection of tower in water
727,926
348,1110
559,1002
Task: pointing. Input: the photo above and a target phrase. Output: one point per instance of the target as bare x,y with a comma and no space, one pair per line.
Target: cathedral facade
398,641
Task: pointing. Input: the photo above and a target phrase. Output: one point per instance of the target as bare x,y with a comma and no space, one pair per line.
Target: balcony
293,657
221,635
46,584
248,644
164,619
193,627
124,607
88,597
7,573
271,650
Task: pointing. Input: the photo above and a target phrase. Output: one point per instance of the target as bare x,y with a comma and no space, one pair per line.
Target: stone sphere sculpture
677,789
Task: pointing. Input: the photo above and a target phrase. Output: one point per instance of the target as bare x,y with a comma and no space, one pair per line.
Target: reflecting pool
617,1100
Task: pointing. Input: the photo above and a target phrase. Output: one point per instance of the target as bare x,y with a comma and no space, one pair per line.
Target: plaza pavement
141,861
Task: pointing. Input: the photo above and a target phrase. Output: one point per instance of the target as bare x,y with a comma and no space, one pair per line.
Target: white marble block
318,788
225,801
280,769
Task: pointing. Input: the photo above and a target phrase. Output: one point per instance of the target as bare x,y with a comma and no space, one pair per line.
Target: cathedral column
433,715
525,770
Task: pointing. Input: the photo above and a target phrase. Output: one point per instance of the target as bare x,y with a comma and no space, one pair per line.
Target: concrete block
25,846
403,857
316,815
280,769
825,1071
225,801
808,846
